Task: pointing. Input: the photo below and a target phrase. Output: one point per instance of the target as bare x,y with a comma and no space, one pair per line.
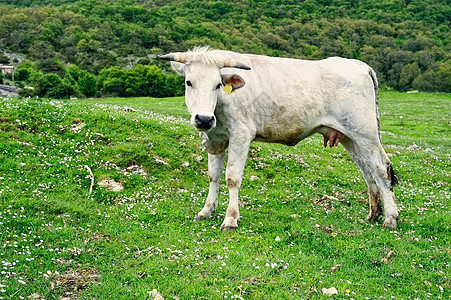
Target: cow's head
204,82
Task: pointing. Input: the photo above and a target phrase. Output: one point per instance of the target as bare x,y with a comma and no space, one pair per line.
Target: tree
112,81
408,74
96,35
23,71
53,86
4,59
87,84
443,76
175,86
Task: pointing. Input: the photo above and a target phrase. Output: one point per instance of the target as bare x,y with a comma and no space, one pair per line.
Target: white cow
235,99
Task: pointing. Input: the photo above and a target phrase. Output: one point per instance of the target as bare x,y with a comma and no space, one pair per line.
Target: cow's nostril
198,120
204,122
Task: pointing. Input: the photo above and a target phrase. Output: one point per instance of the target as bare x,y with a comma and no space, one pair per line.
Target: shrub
87,84
175,86
112,81
51,85
443,77
24,71
63,90
139,81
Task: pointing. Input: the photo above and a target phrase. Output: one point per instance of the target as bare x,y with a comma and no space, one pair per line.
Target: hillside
302,208
407,42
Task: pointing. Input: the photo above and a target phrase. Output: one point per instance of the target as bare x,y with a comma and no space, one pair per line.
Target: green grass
58,241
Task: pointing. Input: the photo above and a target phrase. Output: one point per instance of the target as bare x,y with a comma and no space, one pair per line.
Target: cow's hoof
390,222
229,224
204,214
373,217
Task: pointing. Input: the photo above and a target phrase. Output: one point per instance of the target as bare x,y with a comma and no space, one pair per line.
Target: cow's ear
233,79
178,67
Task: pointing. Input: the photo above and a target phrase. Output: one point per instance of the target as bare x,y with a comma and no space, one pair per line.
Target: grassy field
302,208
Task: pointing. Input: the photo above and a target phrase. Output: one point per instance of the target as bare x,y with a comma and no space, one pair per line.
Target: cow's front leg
215,168
234,175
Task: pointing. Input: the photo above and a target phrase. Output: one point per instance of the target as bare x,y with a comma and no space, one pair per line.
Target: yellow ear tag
228,89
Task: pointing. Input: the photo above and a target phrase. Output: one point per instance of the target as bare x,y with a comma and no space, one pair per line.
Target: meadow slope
302,208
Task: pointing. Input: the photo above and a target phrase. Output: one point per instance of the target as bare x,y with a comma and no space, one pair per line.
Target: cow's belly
286,124
288,135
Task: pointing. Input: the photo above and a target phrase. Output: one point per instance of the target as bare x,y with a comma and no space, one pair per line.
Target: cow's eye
188,83
218,86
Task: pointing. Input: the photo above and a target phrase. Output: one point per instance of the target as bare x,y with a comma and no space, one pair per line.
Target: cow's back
286,99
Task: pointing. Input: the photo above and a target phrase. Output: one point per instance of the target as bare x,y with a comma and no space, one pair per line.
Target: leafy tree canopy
406,41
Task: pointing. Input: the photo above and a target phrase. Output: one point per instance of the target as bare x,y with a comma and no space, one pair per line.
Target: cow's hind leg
378,173
375,205
215,169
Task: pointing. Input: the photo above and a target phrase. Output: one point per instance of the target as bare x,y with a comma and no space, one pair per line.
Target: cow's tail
376,96
390,172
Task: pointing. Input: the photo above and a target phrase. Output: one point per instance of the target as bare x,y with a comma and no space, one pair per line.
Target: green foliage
443,75
1,78
175,86
74,72
112,81
53,86
3,59
139,81
87,84
23,71
136,82
391,36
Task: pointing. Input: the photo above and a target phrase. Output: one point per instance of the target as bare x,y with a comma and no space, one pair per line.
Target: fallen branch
385,260
92,178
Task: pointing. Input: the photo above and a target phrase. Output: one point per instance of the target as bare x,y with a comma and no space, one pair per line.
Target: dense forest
113,43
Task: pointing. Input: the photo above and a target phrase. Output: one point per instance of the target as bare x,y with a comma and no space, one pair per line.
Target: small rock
277,239
185,164
25,143
253,178
99,135
160,161
77,127
330,291
327,197
414,147
128,108
111,185
335,268
158,297
428,150
36,296
299,160
136,169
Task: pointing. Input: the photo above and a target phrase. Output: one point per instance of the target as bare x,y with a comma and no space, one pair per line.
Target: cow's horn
177,56
232,63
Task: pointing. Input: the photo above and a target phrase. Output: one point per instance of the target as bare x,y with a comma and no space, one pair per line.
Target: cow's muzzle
204,123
